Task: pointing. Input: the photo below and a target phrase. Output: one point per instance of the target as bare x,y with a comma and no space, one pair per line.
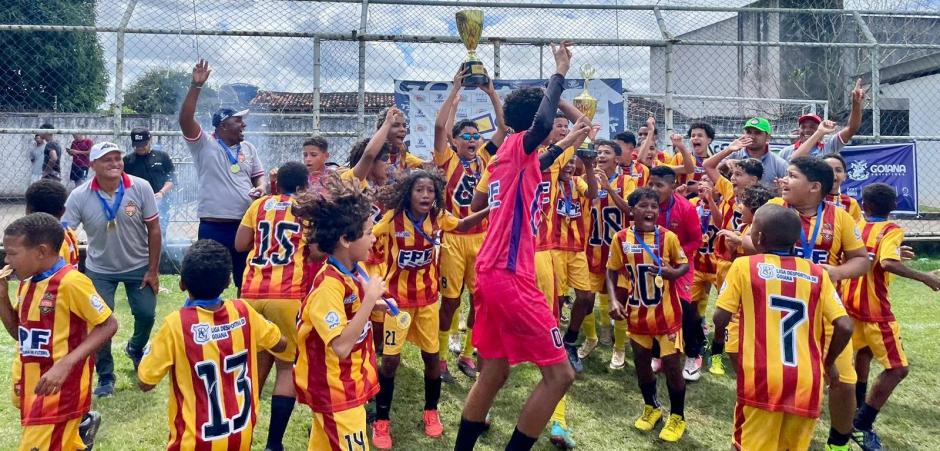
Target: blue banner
420,101
894,164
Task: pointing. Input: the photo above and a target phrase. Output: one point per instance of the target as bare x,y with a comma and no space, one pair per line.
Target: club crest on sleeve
97,303
47,304
331,319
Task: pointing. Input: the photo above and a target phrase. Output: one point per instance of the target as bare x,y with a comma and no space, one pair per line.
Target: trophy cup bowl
470,28
587,105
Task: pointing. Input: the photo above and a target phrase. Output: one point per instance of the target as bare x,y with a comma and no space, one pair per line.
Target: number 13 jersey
211,356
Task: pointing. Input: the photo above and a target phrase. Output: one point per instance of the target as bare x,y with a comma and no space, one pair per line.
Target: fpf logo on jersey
33,342
415,258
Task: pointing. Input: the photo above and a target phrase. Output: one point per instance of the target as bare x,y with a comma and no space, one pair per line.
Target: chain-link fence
99,68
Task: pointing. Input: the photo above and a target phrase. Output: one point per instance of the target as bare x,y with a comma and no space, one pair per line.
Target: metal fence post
668,100
361,101
496,59
316,85
874,58
117,106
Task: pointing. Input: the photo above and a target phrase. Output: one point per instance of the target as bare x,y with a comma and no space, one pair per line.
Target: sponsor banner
420,101
894,164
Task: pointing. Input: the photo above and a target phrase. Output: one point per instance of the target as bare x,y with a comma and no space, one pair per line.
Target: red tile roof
330,102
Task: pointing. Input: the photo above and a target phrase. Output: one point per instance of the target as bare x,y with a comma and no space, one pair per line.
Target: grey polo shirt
830,144
223,194
124,248
774,166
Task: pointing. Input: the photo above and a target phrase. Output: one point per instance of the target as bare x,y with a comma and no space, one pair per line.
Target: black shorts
78,173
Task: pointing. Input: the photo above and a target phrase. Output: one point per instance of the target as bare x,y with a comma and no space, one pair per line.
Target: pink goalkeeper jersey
516,193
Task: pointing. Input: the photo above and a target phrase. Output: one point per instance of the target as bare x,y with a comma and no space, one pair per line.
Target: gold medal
112,224
235,168
404,319
658,281
704,237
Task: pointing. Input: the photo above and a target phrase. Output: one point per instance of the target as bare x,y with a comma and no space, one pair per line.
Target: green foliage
51,71
161,91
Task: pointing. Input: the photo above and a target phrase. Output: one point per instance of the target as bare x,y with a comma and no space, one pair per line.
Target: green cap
759,123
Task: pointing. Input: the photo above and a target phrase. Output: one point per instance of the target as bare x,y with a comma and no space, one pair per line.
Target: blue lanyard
467,169
672,203
110,212
348,273
808,246
639,239
876,219
419,229
786,253
204,303
705,214
610,181
232,155
49,272
568,195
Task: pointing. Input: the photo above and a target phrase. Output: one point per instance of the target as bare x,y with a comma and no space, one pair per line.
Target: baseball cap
810,117
139,136
103,148
759,123
225,113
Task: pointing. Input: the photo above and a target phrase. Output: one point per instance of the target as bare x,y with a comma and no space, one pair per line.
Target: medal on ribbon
110,211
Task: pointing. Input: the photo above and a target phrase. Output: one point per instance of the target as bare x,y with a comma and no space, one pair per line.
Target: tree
51,71
161,91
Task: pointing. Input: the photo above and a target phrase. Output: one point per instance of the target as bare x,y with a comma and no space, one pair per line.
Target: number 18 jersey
276,262
211,356
784,304
606,220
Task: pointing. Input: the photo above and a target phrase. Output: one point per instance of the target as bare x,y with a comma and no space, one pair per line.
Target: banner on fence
420,101
894,164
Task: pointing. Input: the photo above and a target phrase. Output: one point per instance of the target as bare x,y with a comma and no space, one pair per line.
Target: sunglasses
468,136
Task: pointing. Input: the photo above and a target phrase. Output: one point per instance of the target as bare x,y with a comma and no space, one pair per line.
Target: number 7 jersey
211,356
784,304
276,266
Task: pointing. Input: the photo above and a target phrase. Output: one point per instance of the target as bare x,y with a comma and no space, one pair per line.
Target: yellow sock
589,327
455,322
559,413
620,335
444,340
467,350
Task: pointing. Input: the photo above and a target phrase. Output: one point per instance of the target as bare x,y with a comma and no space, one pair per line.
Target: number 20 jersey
784,304
276,263
211,356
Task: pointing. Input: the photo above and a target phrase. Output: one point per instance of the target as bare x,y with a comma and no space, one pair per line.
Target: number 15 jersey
784,304
276,262
211,356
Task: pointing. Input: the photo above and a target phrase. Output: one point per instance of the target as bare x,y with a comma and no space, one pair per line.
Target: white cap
103,148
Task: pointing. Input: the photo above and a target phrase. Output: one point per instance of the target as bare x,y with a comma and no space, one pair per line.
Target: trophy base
586,149
476,74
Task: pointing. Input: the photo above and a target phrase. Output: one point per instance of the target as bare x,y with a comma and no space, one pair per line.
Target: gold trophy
470,28
587,105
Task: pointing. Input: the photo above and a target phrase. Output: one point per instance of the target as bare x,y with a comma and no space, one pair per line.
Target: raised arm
825,128
649,142
688,161
574,138
542,124
187,118
711,163
374,146
855,116
444,119
501,130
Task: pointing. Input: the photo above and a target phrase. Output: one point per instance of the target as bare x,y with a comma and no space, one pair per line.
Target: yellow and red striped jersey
211,356
682,179
837,234
545,240
730,219
704,257
847,203
652,310
323,380
638,172
867,298
461,179
411,255
277,267
69,249
409,161
56,314
784,304
570,223
606,220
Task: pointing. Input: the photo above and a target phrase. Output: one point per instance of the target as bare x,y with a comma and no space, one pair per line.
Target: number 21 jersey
211,356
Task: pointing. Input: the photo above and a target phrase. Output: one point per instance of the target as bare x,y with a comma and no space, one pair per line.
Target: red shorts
513,321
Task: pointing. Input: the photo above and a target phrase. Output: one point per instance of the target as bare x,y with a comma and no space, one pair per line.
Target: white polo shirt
223,194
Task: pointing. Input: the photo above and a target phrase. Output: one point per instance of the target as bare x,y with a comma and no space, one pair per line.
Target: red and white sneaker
382,434
432,424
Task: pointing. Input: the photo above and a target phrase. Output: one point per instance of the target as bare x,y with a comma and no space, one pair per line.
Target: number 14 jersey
211,356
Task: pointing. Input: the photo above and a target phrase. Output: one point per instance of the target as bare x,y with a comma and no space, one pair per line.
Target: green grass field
601,408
